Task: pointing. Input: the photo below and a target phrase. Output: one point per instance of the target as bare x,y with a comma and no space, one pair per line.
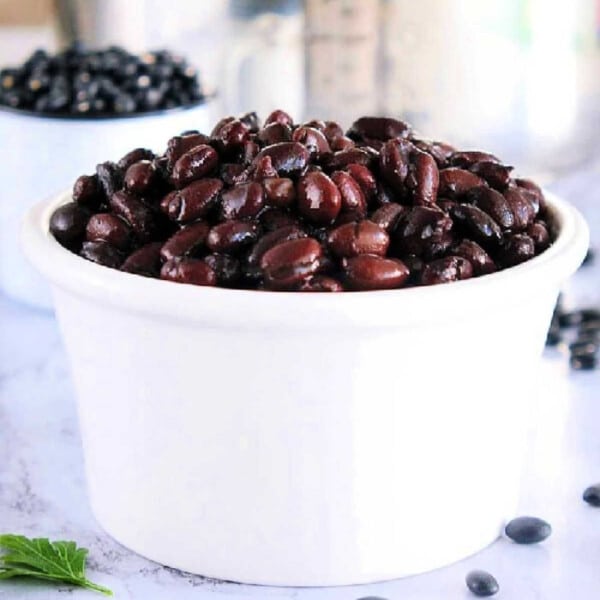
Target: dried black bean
482,584
591,495
528,530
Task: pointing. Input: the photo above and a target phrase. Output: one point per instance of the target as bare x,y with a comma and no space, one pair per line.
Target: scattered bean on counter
528,530
482,583
303,207
112,81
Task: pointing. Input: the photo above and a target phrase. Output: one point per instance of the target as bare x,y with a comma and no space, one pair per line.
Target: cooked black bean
102,253
368,272
109,228
591,495
528,530
68,223
288,264
445,270
319,199
144,261
482,583
196,163
188,241
188,270
375,209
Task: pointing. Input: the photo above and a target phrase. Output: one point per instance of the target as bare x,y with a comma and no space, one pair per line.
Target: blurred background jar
518,77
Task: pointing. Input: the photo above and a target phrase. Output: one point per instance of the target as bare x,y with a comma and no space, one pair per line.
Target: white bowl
304,439
43,155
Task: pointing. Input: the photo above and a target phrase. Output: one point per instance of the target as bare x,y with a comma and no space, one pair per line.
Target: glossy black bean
192,202
279,191
188,270
288,264
135,212
232,236
516,249
188,241
109,228
226,268
102,253
388,215
379,128
352,239
419,231
88,192
68,223
110,177
134,156
144,261
321,283
319,199
287,158
480,260
140,177
368,272
242,201
446,270
195,164
180,144
528,530
477,224
275,133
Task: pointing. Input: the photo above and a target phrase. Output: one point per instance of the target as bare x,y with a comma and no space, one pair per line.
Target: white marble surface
42,489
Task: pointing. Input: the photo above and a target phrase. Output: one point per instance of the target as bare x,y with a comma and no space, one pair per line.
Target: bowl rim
74,118
295,310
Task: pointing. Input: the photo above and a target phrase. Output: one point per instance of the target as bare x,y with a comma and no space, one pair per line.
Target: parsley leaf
42,559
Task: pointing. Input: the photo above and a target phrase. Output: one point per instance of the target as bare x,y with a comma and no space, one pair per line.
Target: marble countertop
42,489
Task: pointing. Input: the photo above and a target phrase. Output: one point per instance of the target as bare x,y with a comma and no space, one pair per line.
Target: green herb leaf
42,559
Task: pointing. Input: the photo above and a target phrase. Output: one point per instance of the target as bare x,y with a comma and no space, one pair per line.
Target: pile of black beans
84,82
305,207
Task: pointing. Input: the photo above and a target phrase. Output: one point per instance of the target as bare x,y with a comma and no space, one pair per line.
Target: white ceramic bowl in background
304,439
43,155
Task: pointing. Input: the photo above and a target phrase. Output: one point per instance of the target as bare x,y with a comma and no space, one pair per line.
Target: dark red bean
279,116
136,213
68,223
421,231
102,253
353,199
379,128
251,120
234,174
422,178
319,199
226,268
110,178
321,283
534,190
232,236
230,136
516,249
466,159
524,207
340,160
477,224
353,239
367,272
332,130
188,241
192,202
445,270
394,162
140,177
538,232
387,216
196,163
188,270
250,152
455,182
287,157
341,142
494,204
135,156
87,191
279,191
495,174
440,151
263,169
180,144
109,228
274,218
365,179
272,238
144,261
480,260
313,140
242,201
275,133
286,265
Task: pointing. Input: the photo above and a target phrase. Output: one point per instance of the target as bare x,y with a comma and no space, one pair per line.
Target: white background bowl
42,155
304,439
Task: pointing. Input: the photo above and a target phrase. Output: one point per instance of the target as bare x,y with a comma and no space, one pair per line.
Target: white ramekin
304,439
43,155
